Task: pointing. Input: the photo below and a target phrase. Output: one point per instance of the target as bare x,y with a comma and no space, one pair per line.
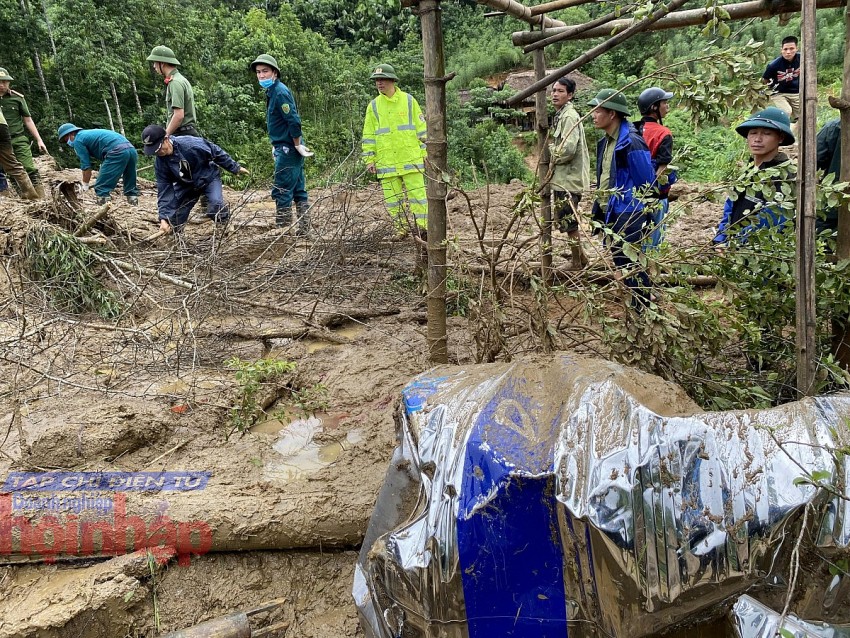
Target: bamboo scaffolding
521,12
691,17
595,52
546,7
571,32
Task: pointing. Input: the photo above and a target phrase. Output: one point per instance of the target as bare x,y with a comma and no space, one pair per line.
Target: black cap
152,136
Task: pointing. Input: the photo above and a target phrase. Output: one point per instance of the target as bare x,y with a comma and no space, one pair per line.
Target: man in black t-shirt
783,76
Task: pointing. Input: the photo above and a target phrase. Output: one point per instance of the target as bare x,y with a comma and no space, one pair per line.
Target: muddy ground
288,500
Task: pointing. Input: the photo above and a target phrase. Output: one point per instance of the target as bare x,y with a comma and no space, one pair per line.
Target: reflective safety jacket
394,135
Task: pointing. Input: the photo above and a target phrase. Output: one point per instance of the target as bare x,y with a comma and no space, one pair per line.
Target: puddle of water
349,331
299,454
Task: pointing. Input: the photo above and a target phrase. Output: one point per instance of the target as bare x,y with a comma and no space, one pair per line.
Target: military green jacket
179,95
15,109
570,158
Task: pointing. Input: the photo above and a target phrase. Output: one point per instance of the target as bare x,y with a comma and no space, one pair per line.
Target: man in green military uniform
10,164
19,120
179,97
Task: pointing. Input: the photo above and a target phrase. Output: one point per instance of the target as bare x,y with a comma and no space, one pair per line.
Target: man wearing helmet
179,96
117,157
284,126
623,173
755,208
19,121
393,147
653,105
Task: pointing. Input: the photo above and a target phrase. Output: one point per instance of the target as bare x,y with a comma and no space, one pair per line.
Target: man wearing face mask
117,158
284,126
187,168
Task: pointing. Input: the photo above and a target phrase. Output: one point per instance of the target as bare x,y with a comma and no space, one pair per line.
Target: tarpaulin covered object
753,619
566,496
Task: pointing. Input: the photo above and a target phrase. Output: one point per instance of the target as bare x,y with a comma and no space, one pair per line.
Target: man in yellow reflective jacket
394,150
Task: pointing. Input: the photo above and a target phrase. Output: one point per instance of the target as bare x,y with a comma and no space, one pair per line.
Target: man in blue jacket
756,205
284,125
186,168
117,157
624,177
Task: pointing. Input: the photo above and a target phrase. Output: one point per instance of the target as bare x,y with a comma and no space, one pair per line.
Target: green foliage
479,142
311,399
251,376
704,154
66,268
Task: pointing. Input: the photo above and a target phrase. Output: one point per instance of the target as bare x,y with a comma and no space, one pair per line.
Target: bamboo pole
570,32
546,7
691,17
595,52
436,166
521,12
806,202
542,128
841,325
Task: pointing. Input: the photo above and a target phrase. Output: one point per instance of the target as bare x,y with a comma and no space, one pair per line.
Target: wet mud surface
287,501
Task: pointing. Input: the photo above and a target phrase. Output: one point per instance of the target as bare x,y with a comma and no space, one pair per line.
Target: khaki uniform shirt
15,109
179,95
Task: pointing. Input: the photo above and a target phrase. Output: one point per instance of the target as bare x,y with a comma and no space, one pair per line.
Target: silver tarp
752,619
574,496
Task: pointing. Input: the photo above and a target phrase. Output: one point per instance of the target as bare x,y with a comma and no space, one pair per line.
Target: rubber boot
25,187
283,216
302,210
39,189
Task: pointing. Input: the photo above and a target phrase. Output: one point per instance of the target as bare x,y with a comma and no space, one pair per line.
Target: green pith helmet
266,59
772,118
613,100
384,72
66,129
4,75
162,53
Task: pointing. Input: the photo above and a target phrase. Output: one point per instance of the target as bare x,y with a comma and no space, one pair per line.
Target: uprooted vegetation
275,366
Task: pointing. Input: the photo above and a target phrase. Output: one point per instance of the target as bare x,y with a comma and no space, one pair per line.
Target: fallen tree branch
91,221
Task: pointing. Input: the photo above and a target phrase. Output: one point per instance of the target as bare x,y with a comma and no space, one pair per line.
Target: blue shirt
282,117
193,164
96,143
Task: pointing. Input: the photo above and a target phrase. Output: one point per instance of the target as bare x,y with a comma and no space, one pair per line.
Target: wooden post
806,201
436,166
841,325
542,128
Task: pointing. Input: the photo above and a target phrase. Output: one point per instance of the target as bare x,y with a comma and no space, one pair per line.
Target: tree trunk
136,96
55,55
117,107
436,167
109,114
806,214
36,58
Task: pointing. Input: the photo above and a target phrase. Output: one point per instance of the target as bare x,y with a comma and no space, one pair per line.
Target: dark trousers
216,208
630,230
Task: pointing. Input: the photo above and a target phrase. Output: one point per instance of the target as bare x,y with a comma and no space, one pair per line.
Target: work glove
304,151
